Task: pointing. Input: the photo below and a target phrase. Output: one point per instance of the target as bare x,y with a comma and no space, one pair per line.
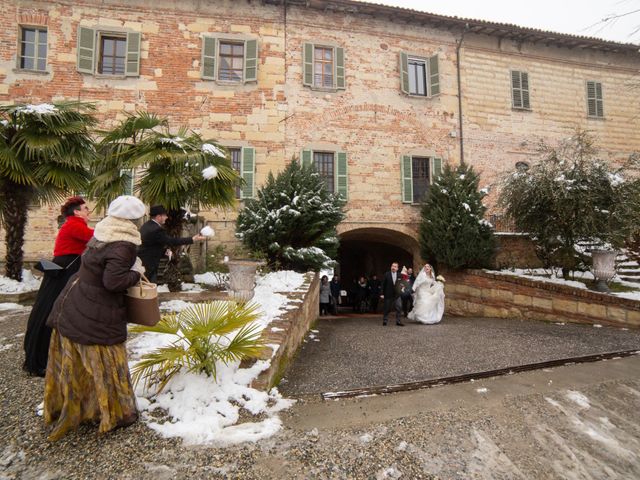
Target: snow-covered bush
293,221
570,197
453,231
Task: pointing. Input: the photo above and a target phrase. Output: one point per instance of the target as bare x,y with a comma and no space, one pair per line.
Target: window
595,106
332,167
323,161
108,53
522,166
128,180
418,173
33,49
520,90
229,61
323,66
243,162
419,76
112,56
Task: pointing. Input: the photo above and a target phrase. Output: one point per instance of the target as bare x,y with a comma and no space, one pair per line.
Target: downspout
458,46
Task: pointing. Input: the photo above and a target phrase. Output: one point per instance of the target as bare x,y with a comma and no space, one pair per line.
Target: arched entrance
368,251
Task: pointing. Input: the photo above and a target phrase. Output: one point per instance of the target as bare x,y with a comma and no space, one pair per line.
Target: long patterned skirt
87,383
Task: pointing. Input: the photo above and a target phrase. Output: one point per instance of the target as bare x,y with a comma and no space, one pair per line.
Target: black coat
388,287
155,241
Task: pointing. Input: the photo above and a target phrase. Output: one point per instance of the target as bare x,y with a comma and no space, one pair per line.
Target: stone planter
604,268
242,279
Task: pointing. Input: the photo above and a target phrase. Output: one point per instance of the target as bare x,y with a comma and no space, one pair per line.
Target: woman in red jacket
70,243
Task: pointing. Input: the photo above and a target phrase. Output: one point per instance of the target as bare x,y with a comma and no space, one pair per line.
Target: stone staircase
627,267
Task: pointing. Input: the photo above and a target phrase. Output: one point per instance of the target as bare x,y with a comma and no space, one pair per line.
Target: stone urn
242,279
604,268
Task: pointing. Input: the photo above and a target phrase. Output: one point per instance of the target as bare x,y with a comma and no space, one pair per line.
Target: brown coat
90,310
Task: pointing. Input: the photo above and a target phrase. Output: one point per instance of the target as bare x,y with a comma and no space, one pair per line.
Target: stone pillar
242,279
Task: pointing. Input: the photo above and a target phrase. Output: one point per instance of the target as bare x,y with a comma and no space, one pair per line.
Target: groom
391,295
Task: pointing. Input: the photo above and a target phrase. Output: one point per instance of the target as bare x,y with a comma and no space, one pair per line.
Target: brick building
373,95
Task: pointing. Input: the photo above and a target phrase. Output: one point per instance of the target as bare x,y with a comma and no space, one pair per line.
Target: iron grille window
323,67
420,169
113,55
323,162
236,155
417,77
231,61
33,49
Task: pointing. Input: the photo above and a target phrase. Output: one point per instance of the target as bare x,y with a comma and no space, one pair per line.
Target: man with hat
155,241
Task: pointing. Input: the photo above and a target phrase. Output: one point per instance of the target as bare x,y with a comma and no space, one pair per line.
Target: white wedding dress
428,301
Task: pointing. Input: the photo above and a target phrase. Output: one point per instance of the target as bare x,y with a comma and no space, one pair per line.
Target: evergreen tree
453,231
293,220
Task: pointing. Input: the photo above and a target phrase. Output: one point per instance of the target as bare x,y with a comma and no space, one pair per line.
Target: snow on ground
204,411
12,306
29,283
210,278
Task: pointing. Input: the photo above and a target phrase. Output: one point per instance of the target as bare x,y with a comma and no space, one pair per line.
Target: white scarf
114,229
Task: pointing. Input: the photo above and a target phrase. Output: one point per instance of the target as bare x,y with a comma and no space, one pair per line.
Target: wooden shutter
404,73
307,157
341,175
436,169
406,172
307,64
133,54
516,89
209,58
339,65
86,50
434,76
595,107
524,80
247,171
251,61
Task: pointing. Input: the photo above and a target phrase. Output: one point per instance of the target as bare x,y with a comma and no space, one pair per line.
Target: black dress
36,339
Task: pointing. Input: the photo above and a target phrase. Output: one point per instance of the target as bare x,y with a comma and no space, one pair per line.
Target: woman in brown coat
87,374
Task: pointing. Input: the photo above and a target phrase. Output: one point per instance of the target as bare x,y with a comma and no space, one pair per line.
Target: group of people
420,299
77,329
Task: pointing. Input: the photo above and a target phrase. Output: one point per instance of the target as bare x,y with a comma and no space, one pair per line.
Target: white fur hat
404,271
126,206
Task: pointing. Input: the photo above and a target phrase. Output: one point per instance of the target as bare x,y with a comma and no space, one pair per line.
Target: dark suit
391,297
155,241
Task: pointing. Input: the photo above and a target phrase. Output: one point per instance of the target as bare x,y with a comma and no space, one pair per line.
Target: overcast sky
578,17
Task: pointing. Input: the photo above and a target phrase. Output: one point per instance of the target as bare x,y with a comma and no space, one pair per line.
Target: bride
428,302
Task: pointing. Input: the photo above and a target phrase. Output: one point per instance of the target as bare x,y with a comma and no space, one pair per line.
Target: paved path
355,352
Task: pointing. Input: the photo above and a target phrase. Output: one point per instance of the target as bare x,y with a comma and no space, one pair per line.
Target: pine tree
453,231
293,221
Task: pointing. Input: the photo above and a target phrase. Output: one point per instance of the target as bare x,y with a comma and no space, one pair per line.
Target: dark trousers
374,303
392,304
407,304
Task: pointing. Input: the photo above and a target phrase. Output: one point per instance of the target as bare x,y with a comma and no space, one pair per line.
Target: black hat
157,210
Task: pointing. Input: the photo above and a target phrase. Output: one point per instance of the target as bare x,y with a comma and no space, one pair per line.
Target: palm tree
45,153
170,170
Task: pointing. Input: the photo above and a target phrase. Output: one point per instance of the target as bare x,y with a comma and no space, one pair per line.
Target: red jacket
72,237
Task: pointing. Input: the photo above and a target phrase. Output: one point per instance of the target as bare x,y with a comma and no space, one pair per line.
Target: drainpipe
458,46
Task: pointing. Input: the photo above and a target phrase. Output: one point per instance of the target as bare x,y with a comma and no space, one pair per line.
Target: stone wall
476,293
291,329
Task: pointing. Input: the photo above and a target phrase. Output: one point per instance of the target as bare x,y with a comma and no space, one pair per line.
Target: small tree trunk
174,229
14,219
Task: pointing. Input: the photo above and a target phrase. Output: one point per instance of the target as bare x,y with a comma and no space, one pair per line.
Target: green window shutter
307,157
339,55
436,169
248,171
307,64
128,178
434,76
594,99
341,175
133,54
251,61
516,89
524,81
406,172
86,50
404,72
208,58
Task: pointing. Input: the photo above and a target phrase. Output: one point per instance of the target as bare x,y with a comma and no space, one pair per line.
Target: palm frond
159,366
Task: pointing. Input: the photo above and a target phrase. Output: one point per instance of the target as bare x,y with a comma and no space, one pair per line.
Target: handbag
141,302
